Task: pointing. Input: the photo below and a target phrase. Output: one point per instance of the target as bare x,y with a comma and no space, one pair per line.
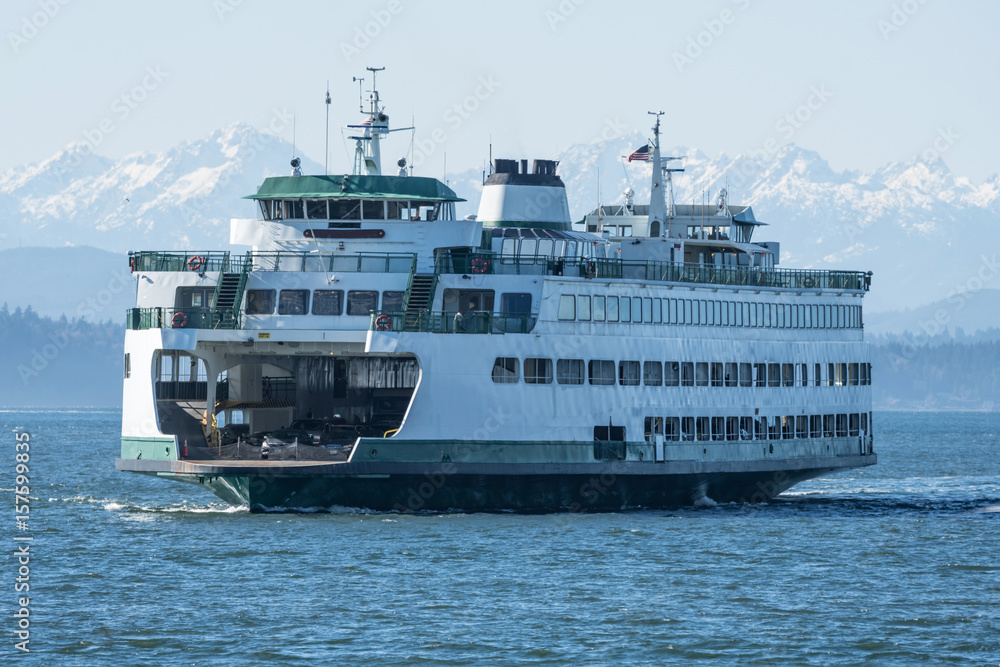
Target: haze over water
895,564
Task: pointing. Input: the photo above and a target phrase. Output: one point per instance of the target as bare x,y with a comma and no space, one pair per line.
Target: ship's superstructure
371,350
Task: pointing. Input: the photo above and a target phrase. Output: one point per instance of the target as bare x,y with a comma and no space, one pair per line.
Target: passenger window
373,210
569,371
598,309
537,371
517,303
316,210
361,302
260,301
567,307
293,302
392,301
652,373
612,309
505,370
327,302
673,374
628,373
601,372
583,308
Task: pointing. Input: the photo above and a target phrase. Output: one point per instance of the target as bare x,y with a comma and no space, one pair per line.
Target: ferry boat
371,350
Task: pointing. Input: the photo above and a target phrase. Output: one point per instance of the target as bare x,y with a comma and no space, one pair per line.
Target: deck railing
330,262
479,322
181,318
597,268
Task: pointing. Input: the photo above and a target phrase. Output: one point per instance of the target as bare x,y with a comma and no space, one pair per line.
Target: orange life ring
196,262
180,320
479,265
383,322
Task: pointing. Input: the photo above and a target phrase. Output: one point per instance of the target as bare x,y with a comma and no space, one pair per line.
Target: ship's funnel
513,197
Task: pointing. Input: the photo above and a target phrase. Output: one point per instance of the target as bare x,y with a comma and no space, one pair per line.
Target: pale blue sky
562,71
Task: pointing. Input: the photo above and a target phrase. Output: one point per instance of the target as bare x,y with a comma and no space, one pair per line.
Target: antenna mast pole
326,153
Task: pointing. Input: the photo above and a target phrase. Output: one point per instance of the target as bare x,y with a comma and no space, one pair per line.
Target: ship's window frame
394,209
373,209
293,209
746,428
629,373
538,370
817,374
773,374
601,372
854,425
787,375
746,374
506,370
316,209
718,429
842,425
672,374
321,301
345,209
582,308
652,373
701,374
392,300
515,303
672,429
567,307
801,426
760,374
260,301
687,429
598,309
354,302
293,302
687,373
852,374
570,371
816,426
128,365
702,428
613,313
829,426
732,374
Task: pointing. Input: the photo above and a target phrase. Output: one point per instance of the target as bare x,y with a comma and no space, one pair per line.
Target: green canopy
413,188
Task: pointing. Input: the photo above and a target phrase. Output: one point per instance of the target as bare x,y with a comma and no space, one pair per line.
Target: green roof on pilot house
413,188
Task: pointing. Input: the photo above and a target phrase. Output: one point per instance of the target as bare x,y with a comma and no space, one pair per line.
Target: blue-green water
895,564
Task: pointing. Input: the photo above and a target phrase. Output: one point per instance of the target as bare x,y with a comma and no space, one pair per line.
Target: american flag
642,154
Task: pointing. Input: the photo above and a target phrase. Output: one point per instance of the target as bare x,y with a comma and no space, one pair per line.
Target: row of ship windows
364,302
781,427
352,209
587,308
507,370
324,301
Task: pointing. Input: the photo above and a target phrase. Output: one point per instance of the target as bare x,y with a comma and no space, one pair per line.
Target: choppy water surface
896,564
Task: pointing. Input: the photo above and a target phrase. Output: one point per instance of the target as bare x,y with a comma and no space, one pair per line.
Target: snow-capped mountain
180,199
927,234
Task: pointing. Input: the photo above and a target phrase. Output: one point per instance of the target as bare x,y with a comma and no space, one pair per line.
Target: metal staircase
418,299
229,292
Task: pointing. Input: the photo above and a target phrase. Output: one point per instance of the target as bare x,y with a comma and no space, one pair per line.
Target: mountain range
927,234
